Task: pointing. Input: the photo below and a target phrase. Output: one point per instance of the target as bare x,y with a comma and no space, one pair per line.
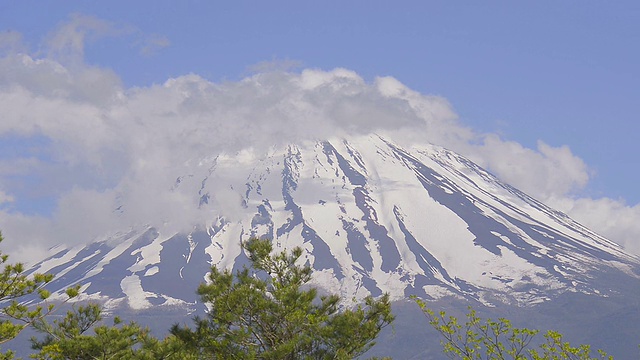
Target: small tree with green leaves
268,311
479,339
15,285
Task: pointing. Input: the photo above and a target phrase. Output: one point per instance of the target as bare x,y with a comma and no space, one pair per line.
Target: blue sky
564,73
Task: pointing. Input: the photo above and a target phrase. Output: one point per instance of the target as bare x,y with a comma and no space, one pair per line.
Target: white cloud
25,237
613,219
111,146
545,173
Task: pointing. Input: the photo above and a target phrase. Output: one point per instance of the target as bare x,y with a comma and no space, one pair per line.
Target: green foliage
267,312
66,338
499,340
70,338
14,285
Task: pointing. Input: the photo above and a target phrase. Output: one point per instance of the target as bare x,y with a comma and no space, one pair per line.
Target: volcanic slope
371,216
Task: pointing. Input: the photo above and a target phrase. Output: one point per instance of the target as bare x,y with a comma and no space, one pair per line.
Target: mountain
372,217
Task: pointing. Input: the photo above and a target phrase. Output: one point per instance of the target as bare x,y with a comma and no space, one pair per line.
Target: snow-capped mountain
371,216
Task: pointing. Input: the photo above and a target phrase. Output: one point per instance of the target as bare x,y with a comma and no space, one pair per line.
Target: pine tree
15,285
268,311
80,335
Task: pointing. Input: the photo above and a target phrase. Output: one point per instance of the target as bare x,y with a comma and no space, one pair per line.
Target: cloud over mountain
90,145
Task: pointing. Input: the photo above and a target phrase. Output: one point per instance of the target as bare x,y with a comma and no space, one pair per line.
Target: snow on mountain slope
371,216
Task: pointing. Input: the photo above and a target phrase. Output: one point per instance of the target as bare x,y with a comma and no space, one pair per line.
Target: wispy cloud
151,44
5,198
11,41
275,65
66,43
68,40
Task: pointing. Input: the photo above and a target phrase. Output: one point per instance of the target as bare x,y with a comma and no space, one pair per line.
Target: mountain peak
371,217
